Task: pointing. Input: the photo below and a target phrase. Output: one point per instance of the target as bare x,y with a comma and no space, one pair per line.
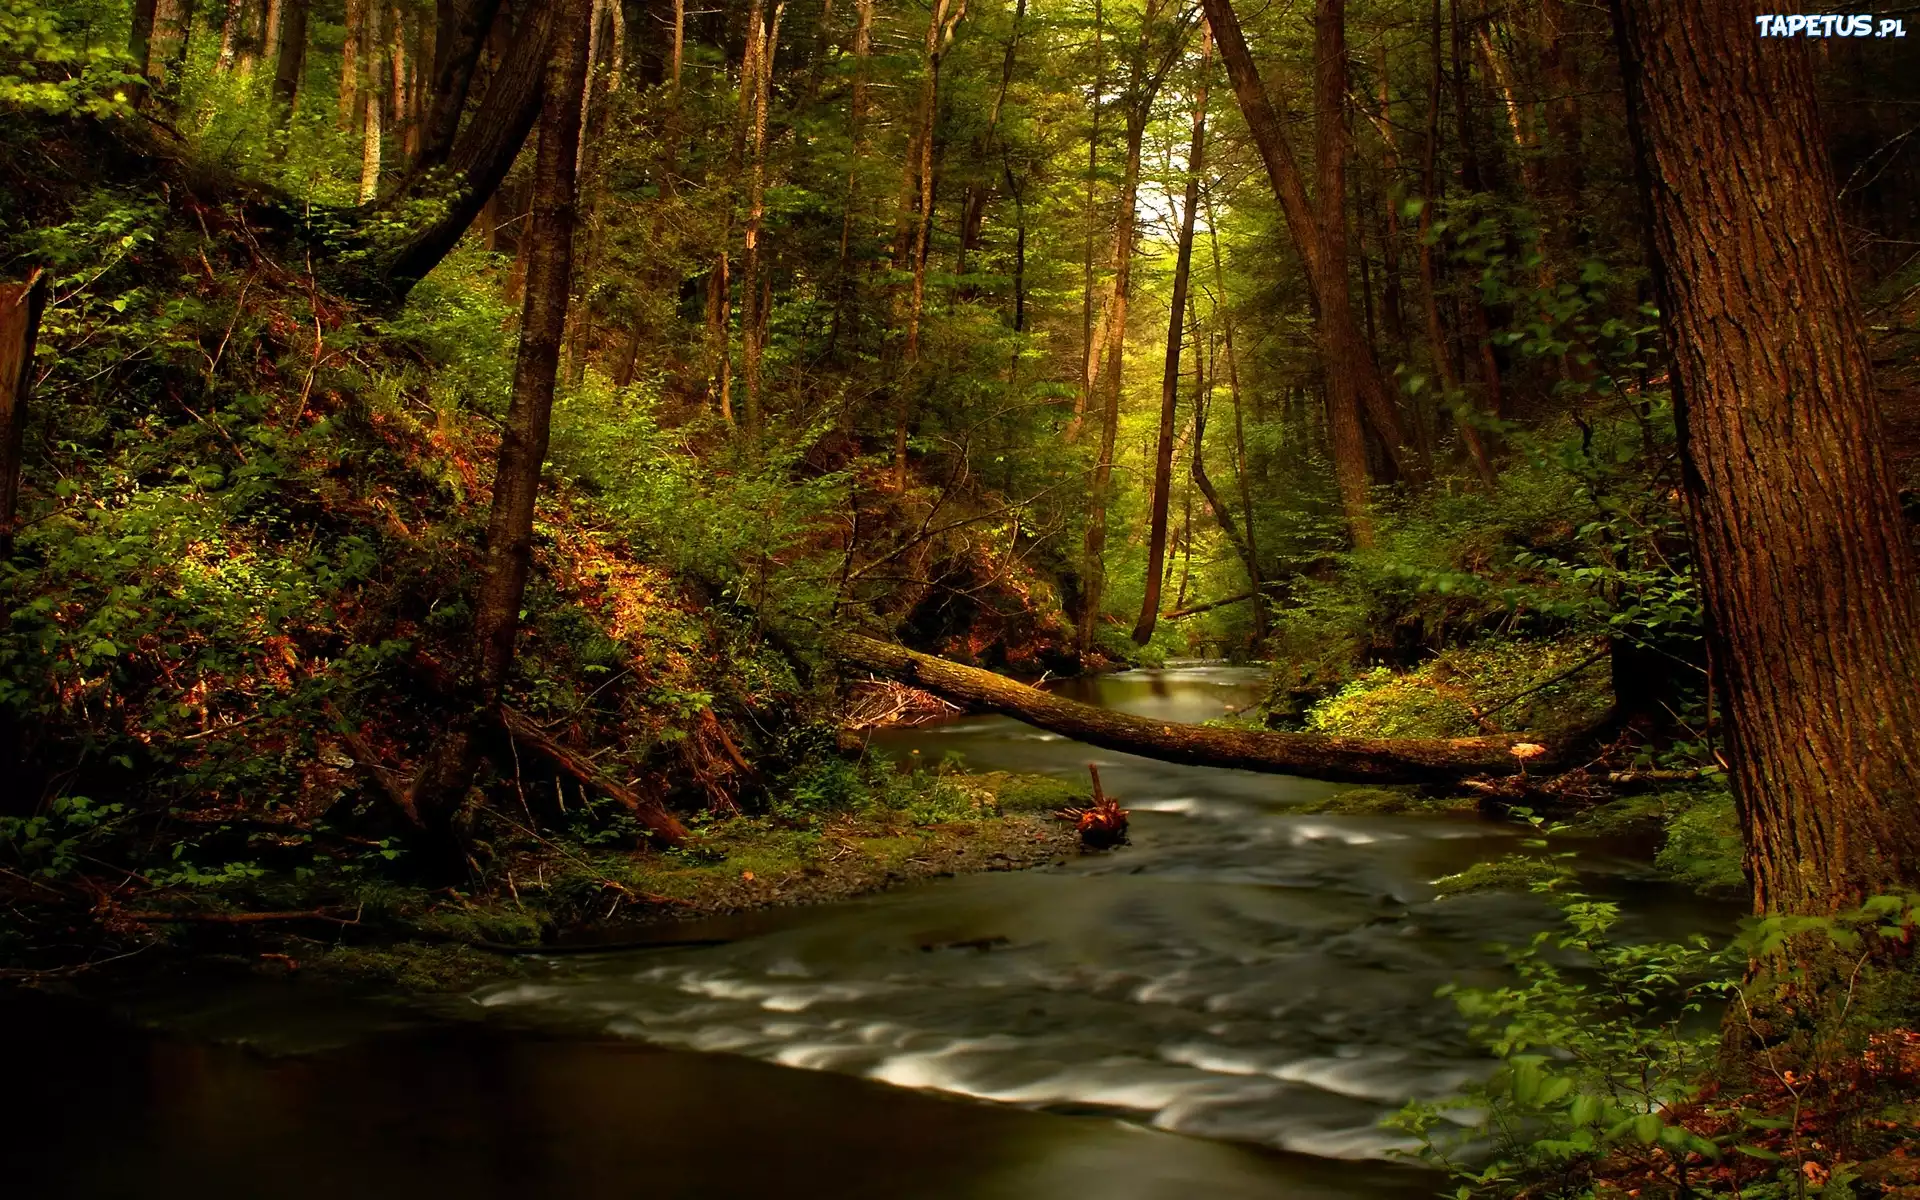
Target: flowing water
1224,1008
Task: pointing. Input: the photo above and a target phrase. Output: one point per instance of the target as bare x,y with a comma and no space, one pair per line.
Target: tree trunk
1354,378
719,341
371,104
1438,344
857,130
461,31
1170,375
940,27
1341,345
1088,343
231,33
1140,94
140,36
973,203
482,156
167,48
20,308
290,62
448,771
270,23
400,82
350,53
754,333
1310,755
1807,567
1217,504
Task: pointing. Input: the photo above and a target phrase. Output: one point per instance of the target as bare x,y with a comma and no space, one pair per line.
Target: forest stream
1226,1007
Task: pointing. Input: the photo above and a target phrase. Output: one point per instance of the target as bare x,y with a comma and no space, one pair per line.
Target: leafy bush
1442,697
1603,1043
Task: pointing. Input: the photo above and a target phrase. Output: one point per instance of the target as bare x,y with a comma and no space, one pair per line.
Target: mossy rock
1034,793
511,926
1513,873
413,966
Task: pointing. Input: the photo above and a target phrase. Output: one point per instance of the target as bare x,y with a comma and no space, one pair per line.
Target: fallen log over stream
1310,755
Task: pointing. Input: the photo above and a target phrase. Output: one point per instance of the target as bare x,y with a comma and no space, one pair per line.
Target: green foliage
1602,1043
1441,697
52,843
1703,847
49,63
747,525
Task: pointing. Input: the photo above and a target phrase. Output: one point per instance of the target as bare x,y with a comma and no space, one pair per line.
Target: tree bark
857,132
1309,755
483,154
1170,375
371,104
461,33
231,33
1342,347
167,48
140,36
290,62
1438,345
1217,504
20,308
399,115
270,26
448,772
350,53
1806,565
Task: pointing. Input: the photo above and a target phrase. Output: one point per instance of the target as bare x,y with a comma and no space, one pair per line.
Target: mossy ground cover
412,939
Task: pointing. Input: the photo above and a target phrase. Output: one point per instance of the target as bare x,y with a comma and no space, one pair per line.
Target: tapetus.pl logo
1830,25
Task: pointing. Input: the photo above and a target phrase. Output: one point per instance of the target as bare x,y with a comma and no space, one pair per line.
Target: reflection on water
484,1114
1256,977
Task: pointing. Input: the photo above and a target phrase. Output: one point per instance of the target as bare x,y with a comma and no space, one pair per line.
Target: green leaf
1647,1127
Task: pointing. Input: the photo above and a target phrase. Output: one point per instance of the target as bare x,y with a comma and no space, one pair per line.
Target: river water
1224,1008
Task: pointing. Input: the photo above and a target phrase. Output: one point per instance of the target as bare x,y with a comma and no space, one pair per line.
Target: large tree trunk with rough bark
1310,755
448,770
1808,570
372,104
20,306
1170,374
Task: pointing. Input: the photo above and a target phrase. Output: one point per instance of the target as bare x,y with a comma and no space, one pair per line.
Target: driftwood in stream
1311,755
